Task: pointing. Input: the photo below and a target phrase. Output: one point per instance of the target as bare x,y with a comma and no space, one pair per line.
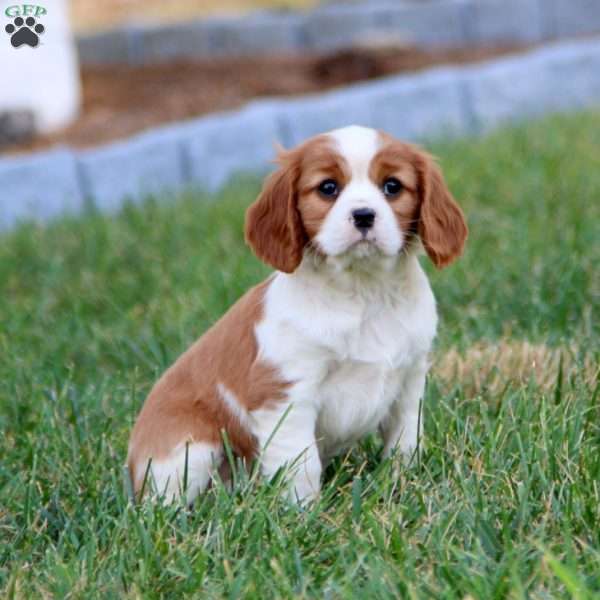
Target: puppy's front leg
286,434
403,426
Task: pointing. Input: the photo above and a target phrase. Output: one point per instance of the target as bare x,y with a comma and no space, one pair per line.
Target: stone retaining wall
424,23
206,152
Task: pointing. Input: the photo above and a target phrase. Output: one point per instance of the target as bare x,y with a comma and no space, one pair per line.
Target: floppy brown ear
274,227
442,227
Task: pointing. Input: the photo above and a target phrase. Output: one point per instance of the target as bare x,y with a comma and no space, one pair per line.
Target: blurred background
91,16
107,70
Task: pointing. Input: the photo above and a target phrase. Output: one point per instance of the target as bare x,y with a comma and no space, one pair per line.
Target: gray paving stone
195,39
505,21
38,187
421,106
341,26
308,116
132,170
574,17
105,48
257,34
224,145
260,33
562,77
437,23
433,23
411,108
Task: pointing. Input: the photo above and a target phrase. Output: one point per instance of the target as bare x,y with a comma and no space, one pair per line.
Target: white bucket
39,70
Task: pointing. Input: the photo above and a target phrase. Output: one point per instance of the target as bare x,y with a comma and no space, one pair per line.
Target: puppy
332,346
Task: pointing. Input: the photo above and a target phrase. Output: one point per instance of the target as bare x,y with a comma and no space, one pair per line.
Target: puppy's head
353,193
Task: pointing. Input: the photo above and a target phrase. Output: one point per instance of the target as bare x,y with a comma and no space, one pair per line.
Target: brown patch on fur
185,404
289,210
426,207
319,161
274,228
397,159
442,225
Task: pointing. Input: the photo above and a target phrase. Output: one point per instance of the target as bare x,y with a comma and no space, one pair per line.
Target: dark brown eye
329,188
391,187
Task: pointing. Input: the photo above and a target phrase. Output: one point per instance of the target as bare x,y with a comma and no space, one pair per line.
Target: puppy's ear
274,227
442,227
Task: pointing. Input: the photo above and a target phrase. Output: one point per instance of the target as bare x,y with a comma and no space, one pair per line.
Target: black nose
363,218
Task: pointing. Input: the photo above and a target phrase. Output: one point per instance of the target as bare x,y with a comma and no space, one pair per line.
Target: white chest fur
347,345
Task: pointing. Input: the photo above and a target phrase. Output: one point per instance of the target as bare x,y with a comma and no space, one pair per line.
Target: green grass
505,499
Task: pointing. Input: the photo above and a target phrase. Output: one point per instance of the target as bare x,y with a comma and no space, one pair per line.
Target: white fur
357,352
166,478
234,406
352,332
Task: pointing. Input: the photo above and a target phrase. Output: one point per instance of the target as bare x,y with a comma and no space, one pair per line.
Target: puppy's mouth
358,247
366,237
364,247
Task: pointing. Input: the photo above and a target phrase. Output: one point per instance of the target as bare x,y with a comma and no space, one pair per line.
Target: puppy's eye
329,188
391,187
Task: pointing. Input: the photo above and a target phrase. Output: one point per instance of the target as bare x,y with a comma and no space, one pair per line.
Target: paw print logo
24,32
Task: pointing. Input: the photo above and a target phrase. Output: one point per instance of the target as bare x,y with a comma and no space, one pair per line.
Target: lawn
504,500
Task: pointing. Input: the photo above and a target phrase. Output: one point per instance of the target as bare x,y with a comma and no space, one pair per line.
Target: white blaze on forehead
358,145
338,233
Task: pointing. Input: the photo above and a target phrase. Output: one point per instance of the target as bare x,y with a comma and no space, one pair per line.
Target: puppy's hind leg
184,473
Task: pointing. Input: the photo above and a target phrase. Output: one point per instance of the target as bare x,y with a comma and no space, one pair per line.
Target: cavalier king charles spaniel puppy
333,345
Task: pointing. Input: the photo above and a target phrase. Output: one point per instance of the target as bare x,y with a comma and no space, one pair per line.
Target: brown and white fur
334,345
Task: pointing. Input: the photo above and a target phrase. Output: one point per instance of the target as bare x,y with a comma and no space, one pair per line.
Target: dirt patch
491,367
119,101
